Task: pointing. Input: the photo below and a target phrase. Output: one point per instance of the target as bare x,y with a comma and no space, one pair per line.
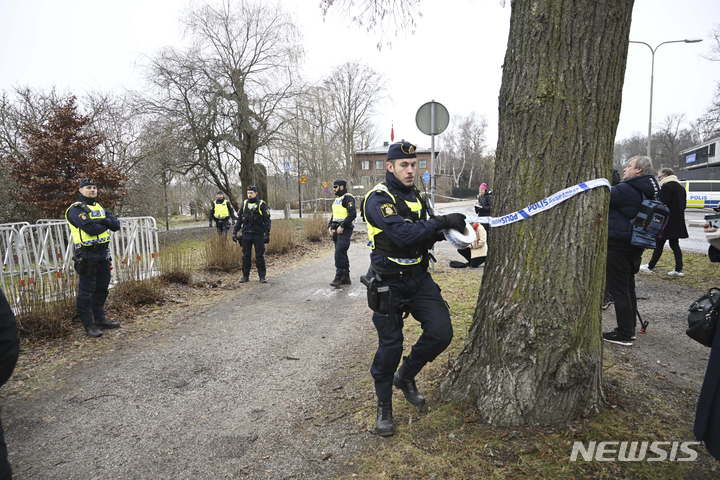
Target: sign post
432,119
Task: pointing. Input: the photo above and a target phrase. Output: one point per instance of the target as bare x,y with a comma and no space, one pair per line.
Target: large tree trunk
534,351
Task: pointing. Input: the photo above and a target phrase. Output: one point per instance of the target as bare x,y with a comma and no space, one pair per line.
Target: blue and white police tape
542,205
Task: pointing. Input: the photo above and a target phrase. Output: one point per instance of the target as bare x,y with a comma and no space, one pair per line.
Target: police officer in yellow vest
222,212
341,228
400,235
253,230
90,226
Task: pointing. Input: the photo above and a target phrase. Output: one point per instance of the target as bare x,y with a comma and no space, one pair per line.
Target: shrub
176,264
315,227
221,253
137,292
282,239
39,317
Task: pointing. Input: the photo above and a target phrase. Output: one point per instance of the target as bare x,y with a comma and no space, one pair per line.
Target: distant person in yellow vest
341,228
90,226
222,212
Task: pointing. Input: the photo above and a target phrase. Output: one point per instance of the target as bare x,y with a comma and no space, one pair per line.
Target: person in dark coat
9,350
707,414
672,194
623,258
484,200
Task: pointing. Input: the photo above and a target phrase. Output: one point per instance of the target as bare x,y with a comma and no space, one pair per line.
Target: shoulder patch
83,216
388,209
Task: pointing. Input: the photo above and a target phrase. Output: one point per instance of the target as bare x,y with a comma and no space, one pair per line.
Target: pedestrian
222,212
253,230
400,235
623,258
9,351
484,200
90,226
476,253
672,194
341,228
707,414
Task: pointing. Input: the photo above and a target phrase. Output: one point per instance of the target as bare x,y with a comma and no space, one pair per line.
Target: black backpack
649,222
703,317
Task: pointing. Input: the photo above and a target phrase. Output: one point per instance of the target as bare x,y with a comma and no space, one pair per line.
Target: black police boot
384,425
244,279
263,280
93,331
346,279
337,281
405,381
102,322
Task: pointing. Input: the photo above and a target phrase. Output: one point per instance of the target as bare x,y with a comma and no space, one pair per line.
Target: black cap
340,183
86,182
253,188
220,192
401,150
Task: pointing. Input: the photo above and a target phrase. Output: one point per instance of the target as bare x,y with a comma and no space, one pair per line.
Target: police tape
542,205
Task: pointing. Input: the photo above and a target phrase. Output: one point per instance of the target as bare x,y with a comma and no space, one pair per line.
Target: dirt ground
246,384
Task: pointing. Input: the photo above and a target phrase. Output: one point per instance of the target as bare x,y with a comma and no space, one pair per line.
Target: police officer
90,227
400,235
222,212
341,228
253,227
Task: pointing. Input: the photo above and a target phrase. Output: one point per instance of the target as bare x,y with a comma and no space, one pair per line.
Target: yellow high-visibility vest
81,238
339,213
221,210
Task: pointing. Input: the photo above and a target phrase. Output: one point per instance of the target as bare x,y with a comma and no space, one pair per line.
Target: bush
39,318
315,228
176,264
137,292
282,239
221,253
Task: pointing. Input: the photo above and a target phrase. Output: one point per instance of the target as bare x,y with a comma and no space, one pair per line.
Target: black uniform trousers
342,244
674,246
419,295
248,240
623,262
222,225
94,278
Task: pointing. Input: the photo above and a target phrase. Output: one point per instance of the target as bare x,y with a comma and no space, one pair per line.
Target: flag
392,133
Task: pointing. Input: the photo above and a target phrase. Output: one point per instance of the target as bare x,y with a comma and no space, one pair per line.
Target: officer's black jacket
250,221
404,234
9,345
348,202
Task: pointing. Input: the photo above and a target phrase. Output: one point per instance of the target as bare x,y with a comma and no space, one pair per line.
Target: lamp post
652,79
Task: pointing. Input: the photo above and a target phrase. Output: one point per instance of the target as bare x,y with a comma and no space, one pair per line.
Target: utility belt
380,297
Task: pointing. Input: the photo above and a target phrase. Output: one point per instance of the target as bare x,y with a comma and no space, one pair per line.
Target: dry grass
39,318
222,254
315,227
699,271
176,264
137,292
282,237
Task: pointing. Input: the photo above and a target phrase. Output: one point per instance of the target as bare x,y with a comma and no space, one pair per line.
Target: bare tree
354,90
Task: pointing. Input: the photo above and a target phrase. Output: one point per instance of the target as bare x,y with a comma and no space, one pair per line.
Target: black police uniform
254,227
93,265
9,350
222,224
342,240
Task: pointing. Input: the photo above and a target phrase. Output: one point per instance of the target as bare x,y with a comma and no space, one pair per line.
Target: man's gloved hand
267,238
456,221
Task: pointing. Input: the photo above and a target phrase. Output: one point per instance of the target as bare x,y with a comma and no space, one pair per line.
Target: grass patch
176,264
282,236
699,271
137,292
41,319
451,443
222,254
315,227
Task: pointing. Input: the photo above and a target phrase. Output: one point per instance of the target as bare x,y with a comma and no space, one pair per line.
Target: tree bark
534,351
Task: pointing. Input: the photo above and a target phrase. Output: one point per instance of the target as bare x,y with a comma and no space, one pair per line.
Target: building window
366,164
423,164
378,164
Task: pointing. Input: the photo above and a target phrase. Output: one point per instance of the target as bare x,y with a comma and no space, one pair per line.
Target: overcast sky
454,56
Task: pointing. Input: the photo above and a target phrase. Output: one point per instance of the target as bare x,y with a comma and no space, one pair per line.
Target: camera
713,220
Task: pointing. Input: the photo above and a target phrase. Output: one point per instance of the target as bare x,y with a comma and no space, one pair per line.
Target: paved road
225,395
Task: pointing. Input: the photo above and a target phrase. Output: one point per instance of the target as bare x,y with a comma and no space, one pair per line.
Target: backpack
649,222
703,317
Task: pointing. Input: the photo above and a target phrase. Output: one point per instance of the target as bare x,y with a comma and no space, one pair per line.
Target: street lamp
652,75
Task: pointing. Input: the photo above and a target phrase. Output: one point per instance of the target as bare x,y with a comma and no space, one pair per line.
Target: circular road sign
423,118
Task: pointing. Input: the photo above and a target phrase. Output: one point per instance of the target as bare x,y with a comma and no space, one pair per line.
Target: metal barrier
39,256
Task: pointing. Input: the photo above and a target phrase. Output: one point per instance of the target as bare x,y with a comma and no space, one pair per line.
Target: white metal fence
38,257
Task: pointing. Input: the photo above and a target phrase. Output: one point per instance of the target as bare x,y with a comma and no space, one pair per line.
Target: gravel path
232,393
